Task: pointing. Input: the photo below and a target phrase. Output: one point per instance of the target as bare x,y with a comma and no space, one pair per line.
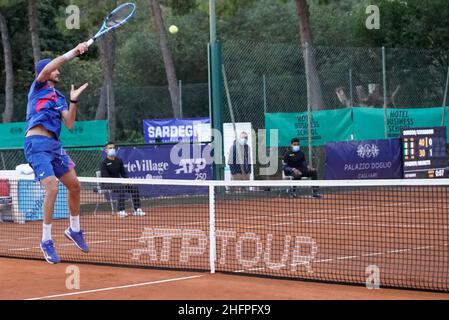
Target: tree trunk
167,57
315,94
106,106
9,85
100,114
35,42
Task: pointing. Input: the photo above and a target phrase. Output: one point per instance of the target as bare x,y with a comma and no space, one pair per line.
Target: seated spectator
112,167
295,165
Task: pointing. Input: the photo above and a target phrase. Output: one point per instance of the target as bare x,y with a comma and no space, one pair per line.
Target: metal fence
267,77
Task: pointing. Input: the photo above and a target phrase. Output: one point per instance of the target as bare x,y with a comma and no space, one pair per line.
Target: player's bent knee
75,187
51,188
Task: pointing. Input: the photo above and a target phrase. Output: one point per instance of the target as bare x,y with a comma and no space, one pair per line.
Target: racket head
117,17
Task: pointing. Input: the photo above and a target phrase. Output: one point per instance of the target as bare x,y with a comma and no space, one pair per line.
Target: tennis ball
173,29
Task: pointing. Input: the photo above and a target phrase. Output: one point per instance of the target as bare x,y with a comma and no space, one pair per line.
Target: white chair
99,189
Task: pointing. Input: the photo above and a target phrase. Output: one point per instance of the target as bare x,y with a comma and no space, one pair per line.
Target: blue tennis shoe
49,251
77,238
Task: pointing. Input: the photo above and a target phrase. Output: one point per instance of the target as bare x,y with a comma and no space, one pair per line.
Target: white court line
99,241
23,249
324,260
373,254
399,251
116,288
348,257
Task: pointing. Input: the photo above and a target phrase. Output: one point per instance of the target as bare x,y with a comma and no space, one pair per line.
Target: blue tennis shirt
45,107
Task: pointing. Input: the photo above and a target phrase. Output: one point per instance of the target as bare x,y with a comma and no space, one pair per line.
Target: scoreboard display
424,152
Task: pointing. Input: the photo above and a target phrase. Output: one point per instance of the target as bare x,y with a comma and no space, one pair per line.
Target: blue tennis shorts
47,157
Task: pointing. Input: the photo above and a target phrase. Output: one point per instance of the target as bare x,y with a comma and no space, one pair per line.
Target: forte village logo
368,151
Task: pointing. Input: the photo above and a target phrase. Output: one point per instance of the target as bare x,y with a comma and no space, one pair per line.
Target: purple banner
175,130
368,159
190,162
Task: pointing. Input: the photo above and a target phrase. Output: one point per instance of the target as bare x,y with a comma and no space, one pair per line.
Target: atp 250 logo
191,166
368,151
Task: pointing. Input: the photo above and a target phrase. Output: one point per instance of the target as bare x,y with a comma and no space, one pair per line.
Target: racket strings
119,16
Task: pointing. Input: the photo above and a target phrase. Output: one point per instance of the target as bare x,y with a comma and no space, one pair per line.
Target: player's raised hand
75,93
81,48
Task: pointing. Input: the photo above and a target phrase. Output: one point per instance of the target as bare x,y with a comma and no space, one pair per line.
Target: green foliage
264,28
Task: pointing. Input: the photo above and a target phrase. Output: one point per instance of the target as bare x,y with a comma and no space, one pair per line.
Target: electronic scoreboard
424,152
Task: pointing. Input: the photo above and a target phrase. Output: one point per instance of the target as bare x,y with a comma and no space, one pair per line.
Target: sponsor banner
31,196
329,125
368,123
84,134
358,123
367,159
176,130
179,162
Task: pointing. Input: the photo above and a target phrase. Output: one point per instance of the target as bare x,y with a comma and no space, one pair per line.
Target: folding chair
99,189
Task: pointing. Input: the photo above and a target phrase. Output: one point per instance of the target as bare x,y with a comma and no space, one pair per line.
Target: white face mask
295,148
111,152
243,141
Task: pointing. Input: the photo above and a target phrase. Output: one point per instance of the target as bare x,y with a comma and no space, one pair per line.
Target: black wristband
73,101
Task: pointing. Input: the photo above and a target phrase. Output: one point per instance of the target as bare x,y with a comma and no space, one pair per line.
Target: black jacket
237,166
113,168
295,160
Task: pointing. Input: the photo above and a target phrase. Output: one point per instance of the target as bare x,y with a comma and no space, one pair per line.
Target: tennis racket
115,19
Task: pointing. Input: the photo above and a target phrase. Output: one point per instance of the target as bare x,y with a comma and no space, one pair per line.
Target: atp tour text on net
298,251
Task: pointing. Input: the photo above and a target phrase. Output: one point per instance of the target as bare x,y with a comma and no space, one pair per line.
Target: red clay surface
30,279
402,231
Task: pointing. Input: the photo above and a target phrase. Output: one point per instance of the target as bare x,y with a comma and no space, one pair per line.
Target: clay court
332,241
30,279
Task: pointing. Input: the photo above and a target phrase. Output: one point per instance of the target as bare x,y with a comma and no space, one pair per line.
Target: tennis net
394,233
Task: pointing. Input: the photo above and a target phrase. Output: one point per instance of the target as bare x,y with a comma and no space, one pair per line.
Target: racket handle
90,42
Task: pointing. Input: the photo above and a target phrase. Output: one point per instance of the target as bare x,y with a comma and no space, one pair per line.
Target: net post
445,99
384,73
212,238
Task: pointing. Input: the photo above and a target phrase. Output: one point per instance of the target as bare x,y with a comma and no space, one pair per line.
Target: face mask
111,152
295,148
243,141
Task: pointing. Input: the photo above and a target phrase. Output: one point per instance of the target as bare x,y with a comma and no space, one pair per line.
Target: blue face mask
295,148
111,152
243,141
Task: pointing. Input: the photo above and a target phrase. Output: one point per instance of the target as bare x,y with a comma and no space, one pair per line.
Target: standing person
46,109
112,167
239,158
295,165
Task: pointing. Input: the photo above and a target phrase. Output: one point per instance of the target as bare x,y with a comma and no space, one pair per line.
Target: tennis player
46,109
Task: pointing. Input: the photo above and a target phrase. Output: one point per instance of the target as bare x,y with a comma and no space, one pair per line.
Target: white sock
46,232
75,223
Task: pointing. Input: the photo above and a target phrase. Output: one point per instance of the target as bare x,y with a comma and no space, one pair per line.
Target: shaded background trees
130,77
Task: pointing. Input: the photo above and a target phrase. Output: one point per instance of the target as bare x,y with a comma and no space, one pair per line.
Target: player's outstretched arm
59,61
